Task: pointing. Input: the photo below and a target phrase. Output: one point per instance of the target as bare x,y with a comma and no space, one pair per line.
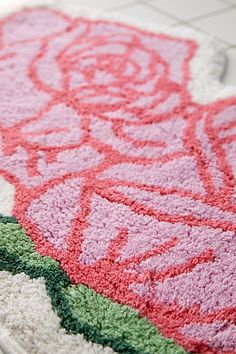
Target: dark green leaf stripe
81,309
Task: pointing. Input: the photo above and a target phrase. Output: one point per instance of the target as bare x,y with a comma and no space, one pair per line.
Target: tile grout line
153,7
124,6
210,14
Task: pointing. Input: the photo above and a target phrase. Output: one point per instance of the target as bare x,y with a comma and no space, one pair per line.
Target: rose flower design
119,174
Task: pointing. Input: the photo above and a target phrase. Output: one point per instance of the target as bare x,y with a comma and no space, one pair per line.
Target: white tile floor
188,9
146,13
216,17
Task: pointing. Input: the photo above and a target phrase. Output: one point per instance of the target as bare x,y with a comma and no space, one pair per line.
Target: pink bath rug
118,167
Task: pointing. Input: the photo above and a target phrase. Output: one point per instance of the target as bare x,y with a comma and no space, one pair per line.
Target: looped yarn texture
118,174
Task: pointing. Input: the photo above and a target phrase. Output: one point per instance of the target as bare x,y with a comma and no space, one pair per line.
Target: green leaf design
81,309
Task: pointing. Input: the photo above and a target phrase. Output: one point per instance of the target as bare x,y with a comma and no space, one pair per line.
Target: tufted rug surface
117,188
